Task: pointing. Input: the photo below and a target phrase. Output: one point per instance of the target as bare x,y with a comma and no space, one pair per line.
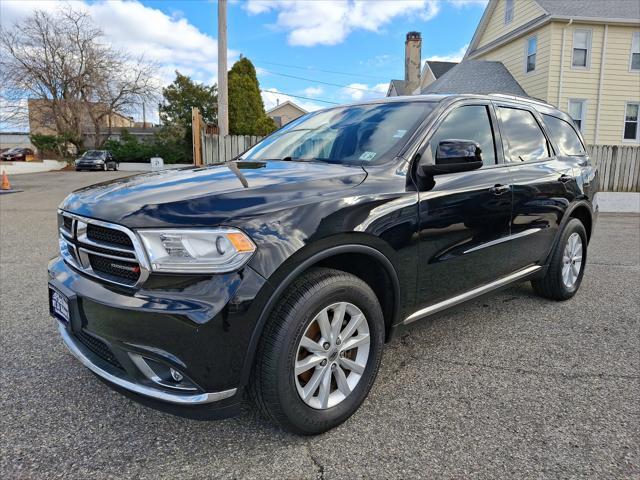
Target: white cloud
329,22
362,91
467,3
450,57
272,96
313,91
169,40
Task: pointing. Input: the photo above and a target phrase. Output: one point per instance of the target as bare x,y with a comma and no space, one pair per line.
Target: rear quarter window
564,136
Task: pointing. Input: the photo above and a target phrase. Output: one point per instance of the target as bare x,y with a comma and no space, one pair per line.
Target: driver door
464,217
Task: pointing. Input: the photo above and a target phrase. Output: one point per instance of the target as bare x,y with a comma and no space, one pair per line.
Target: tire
557,284
277,391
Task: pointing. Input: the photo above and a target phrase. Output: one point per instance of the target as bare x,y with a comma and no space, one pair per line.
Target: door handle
499,189
565,178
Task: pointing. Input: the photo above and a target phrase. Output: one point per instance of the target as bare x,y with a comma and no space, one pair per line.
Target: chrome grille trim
78,256
112,257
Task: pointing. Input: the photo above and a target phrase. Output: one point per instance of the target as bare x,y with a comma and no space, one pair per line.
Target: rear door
543,185
465,216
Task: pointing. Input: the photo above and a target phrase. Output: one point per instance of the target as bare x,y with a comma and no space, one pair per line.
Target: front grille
114,268
108,235
98,347
104,250
108,251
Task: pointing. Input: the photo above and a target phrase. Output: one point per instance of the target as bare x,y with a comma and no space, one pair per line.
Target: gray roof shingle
627,9
440,68
477,76
400,86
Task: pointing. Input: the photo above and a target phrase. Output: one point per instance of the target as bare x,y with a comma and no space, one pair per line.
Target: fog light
176,375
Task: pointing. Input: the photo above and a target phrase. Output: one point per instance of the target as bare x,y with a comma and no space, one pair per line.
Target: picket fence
215,149
618,167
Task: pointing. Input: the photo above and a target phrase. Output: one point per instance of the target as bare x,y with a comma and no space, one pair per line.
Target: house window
581,48
532,48
578,112
508,11
631,122
635,52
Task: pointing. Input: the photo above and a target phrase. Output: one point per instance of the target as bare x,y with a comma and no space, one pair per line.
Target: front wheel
319,353
566,268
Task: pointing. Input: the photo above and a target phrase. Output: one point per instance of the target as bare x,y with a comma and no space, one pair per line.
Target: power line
300,96
321,82
362,75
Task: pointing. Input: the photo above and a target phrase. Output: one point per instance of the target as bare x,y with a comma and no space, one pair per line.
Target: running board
476,292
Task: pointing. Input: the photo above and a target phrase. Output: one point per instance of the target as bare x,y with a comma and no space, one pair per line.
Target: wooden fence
618,167
216,149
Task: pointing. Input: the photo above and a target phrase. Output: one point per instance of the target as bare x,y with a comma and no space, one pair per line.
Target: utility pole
223,92
144,116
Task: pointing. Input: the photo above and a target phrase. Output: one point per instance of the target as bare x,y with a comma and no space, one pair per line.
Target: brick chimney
412,54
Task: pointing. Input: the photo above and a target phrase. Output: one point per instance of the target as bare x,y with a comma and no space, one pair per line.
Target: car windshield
360,134
93,154
14,150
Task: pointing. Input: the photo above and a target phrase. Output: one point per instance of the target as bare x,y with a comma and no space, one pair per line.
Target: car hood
205,196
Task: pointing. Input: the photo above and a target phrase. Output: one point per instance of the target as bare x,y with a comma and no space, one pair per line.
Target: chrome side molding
508,238
476,292
112,375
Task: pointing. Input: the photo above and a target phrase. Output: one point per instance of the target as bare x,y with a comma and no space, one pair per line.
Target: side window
564,136
523,140
508,11
532,49
581,48
471,122
635,52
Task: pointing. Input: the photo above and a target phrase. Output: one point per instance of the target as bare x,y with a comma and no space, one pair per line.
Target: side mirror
454,156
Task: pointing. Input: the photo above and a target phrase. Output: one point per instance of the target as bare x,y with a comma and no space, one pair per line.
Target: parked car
284,273
16,154
97,160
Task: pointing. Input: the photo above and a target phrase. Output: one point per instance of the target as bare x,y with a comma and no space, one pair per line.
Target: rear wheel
320,352
566,268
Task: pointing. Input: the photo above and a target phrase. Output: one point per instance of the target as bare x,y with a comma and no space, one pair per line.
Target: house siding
512,55
577,83
286,113
524,11
619,85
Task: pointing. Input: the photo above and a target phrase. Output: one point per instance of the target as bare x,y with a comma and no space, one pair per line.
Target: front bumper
90,166
202,330
117,377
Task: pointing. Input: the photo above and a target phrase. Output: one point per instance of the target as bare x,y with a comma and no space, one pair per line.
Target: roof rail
518,97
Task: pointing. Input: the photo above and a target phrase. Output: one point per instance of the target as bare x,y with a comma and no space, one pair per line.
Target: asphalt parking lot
508,386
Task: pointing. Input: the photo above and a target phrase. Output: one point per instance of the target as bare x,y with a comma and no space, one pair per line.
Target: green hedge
167,144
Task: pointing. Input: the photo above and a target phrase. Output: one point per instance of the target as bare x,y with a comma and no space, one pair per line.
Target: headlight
211,250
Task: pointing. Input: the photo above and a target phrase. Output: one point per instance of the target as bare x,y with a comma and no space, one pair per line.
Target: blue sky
364,40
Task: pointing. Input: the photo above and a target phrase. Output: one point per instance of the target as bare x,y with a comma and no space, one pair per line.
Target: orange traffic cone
5,182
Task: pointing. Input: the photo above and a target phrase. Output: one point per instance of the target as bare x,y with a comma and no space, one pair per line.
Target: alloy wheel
572,260
332,355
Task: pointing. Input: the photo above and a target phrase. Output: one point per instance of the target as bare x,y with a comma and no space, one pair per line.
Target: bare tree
74,79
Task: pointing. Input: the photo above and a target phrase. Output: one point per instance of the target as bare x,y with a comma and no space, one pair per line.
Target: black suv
97,160
282,274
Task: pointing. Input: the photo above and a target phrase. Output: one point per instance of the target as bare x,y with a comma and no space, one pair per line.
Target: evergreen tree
179,97
246,110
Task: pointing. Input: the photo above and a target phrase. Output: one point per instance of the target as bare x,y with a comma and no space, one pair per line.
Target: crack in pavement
318,466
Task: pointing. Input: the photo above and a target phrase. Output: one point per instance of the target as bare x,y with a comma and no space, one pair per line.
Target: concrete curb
17,168
618,202
146,167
